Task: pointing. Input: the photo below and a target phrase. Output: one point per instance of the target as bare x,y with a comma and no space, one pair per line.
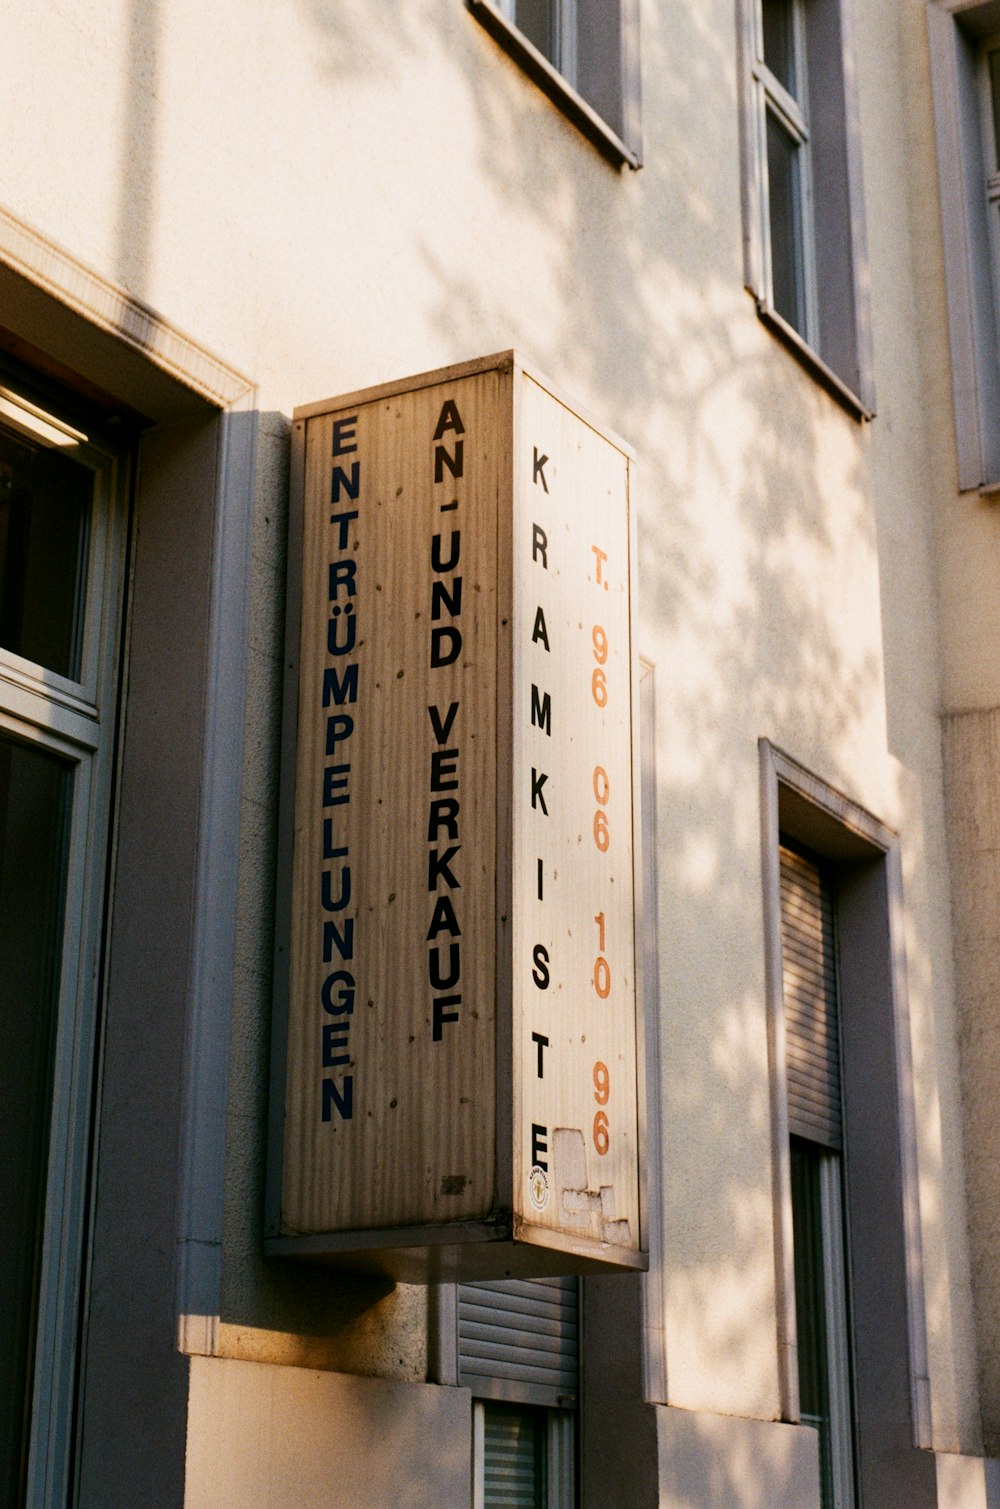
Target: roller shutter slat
518,1340
812,1028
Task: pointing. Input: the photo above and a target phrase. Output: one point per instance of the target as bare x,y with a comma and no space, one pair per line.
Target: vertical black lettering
539,1145
437,979
438,563
444,601
541,710
543,1043
341,435
344,941
343,571
343,519
449,419
439,1015
455,464
537,794
539,545
351,485
338,1098
446,646
443,814
442,728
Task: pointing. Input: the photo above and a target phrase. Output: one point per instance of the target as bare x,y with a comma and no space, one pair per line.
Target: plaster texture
707,1460
288,1438
972,755
329,203
967,1482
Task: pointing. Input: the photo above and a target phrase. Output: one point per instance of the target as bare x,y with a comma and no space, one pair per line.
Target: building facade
756,239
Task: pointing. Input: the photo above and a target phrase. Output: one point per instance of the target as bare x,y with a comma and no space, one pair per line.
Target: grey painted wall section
205,1071
131,1369
886,1380
618,1449
972,766
268,1437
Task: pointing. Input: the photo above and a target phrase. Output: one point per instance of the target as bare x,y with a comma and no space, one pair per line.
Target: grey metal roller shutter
812,1028
518,1340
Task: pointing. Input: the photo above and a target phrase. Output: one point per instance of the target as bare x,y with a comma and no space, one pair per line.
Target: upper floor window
584,54
551,26
965,69
803,218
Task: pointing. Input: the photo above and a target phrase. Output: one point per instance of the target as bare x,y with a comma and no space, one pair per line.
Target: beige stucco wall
285,1438
331,197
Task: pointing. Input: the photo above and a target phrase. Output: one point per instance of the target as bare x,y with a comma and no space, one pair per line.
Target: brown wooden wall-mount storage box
457,1047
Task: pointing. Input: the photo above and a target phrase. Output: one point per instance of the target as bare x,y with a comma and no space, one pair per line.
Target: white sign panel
574,945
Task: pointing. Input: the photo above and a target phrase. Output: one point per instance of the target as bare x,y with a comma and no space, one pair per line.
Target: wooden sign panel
456,1087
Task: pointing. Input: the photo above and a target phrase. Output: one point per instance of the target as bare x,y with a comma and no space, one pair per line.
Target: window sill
551,82
813,364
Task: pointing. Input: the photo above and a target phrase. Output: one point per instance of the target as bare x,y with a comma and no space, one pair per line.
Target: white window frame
74,719
835,345
956,31
615,130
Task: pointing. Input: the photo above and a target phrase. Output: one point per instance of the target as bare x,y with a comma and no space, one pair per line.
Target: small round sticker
538,1188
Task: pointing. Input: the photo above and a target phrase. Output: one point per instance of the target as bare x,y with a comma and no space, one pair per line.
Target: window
518,1351
804,238
851,1331
815,1117
965,66
584,54
60,576
549,25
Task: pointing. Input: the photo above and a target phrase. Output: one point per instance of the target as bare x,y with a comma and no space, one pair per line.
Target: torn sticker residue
582,1207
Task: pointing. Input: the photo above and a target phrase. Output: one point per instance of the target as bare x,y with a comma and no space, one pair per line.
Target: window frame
797,804
837,1465
558,1442
791,114
76,719
820,1243
836,345
622,148
957,29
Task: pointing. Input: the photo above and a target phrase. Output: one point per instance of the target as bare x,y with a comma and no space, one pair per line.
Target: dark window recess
45,506
35,794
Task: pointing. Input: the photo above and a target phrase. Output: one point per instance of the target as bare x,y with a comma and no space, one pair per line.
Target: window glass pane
784,212
45,502
812,1279
514,1471
809,1300
994,60
34,811
537,19
779,41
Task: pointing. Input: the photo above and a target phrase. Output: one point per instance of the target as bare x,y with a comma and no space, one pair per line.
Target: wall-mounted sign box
456,1076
